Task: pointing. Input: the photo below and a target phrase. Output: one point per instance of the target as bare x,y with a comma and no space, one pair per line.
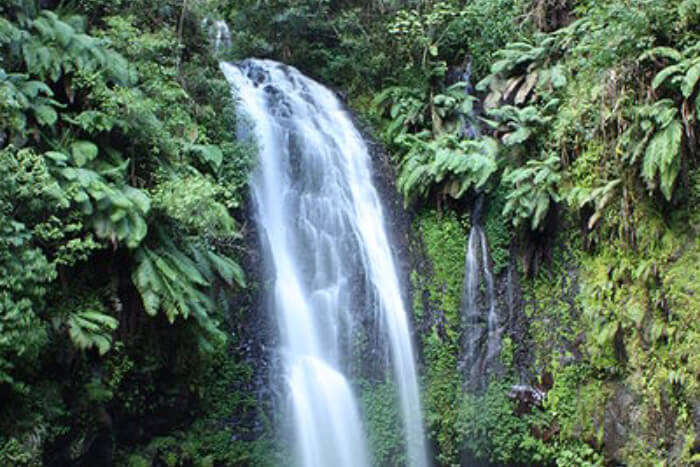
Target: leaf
32,89
557,76
83,152
526,88
208,153
56,156
517,137
664,74
663,156
228,269
511,85
540,210
690,80
663,52
45,114
635,312
139,229
91,328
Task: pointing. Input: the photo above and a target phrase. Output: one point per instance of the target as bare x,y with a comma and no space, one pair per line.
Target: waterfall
482,333
323,225
218,33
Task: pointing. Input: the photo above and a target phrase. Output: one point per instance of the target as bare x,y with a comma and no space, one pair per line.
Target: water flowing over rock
323,227
483,328
218,32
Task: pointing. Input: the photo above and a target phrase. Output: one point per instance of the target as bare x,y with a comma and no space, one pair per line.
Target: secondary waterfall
322,223
483,330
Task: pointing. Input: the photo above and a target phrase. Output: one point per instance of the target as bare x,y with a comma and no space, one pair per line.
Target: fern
86,321
662,156
522,67
518,125
91,328
19,96
171,281
406,107
532,189
117,211
51,47
457,165
683,72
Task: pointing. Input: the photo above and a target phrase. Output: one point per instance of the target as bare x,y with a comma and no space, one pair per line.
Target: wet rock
696,425
617,425
526,398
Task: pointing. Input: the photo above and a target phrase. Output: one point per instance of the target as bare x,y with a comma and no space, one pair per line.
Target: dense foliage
121,183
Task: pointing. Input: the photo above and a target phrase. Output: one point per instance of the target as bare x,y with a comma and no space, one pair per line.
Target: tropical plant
456,164
521,68
176,282
666,127
422,32
50,47
406,107
533,189
519,125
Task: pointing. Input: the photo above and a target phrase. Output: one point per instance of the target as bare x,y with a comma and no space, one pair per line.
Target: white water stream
322,223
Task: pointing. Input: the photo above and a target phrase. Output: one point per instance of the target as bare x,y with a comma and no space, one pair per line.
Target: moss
498,231
439,287
220,433
619,320
380,404
444,238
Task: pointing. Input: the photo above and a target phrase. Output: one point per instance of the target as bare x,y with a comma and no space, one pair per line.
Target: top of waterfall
218,33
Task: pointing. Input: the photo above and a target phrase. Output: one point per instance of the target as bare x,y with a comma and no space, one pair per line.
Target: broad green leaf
663,156
690,80
518,136
45,114
56,156
558,76
664,74
83,152
208,153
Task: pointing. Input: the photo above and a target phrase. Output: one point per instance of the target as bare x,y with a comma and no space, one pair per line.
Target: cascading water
482,336
218,32
322,222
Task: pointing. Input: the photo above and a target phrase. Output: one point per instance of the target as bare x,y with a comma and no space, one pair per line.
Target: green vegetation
119,243
122,190
440,292
380,403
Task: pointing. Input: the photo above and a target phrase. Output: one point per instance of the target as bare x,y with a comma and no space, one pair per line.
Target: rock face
618,421
255,336
397,222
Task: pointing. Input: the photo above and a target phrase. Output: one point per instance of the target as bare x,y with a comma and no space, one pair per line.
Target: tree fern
117,211
181,284
51,47
91,328
521,67
21,98
519,124
406,107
